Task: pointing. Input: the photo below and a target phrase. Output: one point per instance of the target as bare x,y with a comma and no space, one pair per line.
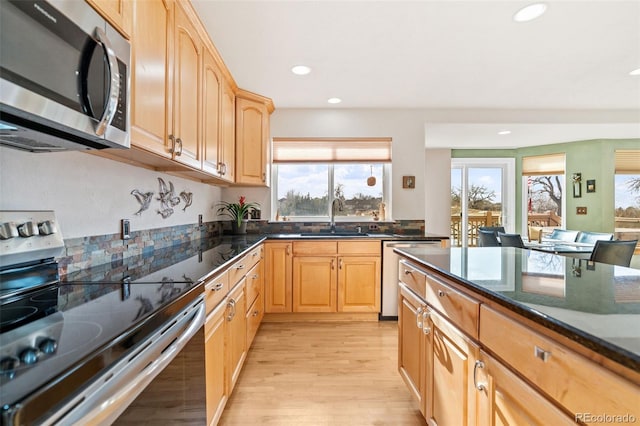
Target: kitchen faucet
336,203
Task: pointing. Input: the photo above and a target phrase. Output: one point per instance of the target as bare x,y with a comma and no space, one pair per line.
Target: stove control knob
47,227
8,230
28,229
48,346
8,366
29,356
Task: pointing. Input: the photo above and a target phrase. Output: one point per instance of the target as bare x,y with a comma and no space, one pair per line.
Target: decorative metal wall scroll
167,197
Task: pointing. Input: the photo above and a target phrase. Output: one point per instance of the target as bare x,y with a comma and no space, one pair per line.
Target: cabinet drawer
215,289
578,384
315,248
460,309
414,278
359,247
254,283
253,257
238,270
254,318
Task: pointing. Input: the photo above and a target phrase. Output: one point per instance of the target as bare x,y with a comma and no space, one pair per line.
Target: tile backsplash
85,252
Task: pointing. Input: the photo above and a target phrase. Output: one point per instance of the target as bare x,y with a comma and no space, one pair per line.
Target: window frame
386,195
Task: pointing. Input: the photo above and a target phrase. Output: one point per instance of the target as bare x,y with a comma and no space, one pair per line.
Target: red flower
242,201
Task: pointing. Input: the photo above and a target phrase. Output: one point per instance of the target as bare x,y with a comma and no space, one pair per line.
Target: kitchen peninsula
532,337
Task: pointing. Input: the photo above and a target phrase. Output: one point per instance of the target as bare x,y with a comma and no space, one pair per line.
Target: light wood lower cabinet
236,333
359,284
504,399
278,276
411,344
216,387
449,395
315,284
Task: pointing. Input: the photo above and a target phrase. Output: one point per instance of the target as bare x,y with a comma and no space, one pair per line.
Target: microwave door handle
114,83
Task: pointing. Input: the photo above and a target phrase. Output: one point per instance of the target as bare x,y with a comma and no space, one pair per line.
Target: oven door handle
104,400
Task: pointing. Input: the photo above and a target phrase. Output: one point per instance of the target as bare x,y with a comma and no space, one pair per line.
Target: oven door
63,67
175,353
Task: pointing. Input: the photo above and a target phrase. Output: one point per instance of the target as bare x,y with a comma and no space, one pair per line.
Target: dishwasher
390,275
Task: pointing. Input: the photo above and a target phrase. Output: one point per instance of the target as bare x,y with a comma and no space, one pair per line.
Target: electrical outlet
581,210
200,223
125,228
373,227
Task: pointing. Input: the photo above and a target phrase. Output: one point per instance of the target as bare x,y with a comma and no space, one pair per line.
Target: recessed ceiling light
504,132
334,100
529,13
301,70
635,72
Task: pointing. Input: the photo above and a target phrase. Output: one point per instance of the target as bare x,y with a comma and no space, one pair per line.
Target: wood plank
322,373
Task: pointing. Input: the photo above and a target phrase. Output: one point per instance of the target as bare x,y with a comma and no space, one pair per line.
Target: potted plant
238,213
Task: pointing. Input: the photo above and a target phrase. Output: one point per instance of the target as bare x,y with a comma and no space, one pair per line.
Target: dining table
565,248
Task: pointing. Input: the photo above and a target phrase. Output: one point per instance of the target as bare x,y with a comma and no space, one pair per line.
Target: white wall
405,127
91,194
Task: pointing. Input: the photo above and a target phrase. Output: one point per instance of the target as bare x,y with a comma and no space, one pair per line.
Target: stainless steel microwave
64,77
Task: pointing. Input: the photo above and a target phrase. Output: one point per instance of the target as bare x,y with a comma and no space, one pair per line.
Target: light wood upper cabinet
211,125
151,76
228,137
252,139
118,12
187,91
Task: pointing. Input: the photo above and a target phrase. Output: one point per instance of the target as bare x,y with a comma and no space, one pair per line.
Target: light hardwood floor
320,373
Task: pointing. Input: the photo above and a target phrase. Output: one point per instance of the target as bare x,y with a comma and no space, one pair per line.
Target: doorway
482,194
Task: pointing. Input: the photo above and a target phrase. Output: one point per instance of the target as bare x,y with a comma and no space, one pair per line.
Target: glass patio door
482,194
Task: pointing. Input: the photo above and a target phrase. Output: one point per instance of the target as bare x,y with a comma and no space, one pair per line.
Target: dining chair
495,229
564,235
617,252
535,233
510,240
487,238
592,237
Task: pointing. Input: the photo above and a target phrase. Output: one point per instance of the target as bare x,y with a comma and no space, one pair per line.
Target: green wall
595,159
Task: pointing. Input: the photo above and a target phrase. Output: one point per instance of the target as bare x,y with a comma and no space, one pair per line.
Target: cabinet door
450,398
215,363
278,277
506,400
228,137
314,284
211,126
358,284
118,12
411,344
236,333
251,142
151,76
186,111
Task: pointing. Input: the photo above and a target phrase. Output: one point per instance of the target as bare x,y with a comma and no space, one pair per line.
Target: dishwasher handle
103,401
411,245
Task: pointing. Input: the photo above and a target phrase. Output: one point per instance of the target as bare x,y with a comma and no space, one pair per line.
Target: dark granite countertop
594,304
350,235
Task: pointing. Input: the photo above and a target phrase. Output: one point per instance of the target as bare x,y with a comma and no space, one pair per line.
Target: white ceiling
567,68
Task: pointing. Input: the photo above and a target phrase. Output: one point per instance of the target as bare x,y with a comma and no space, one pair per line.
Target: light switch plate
581,210
126,229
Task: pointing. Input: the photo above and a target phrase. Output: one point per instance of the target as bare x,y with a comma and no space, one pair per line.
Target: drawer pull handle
333,264
254,254
255,277
240,267
408,272
542,354
255,313
441,293
425,316
419,312
479,386
217,287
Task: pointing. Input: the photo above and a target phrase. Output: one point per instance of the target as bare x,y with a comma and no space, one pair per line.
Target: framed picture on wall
408,182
